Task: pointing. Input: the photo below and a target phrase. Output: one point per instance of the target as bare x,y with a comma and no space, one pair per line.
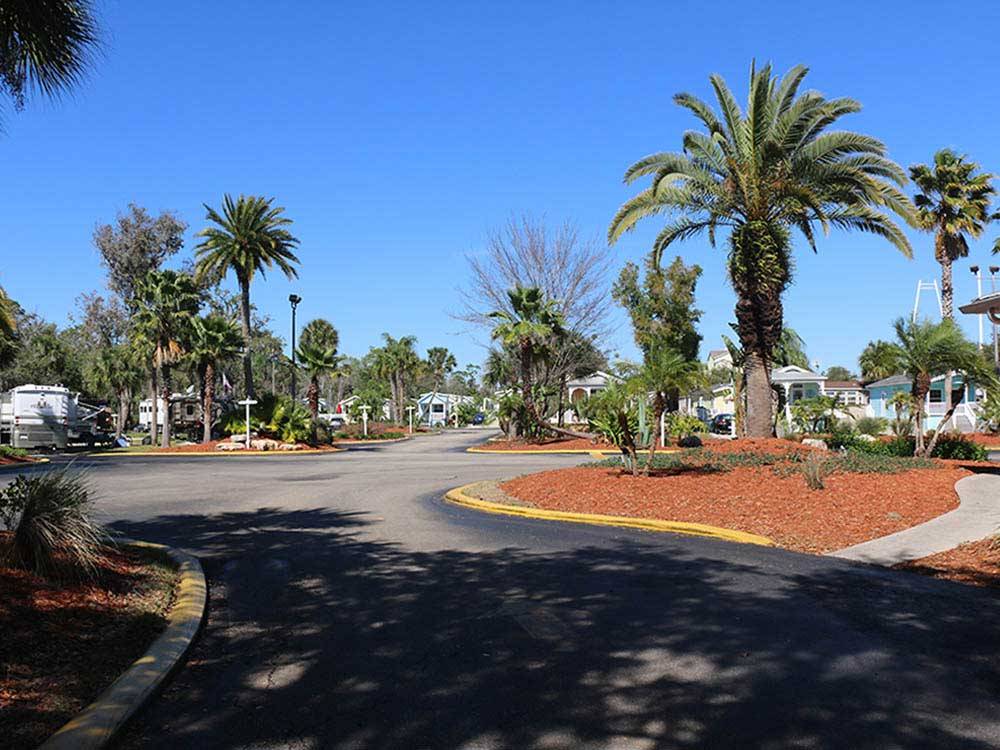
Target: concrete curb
25,464
98,723
459,497
348,444
212,454
976,517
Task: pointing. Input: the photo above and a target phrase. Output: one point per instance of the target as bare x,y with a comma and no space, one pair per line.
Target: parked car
721,424
479,418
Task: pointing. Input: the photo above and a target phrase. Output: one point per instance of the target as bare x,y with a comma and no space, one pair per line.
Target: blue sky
397,134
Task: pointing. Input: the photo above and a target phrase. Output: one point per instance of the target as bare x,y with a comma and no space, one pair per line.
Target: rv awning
988,305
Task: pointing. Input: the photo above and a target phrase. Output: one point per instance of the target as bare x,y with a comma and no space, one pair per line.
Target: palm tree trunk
207,401
124,396
759,418
947,290
165,391
245,320
921,386
529,403
658,404
313,396
154,397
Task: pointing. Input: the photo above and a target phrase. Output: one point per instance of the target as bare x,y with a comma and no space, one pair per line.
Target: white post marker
409,410
364,417
247,402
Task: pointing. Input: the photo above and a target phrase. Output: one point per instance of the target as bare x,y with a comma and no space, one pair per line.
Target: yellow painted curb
98,723
24,464
213,454
459,497
596,452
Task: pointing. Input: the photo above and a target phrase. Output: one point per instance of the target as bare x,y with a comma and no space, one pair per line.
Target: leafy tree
45,45
8,328
924,350
135,245
836,372
878,361
759,173
214,340
953,202
167,302
42,354
249,236
320,332
531,329
117,369
318,361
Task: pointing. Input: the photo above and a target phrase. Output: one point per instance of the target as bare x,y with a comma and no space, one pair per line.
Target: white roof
795,374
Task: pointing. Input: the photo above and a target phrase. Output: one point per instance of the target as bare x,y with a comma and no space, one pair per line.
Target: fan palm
167,302
45,45
923,351
665,370
318,361
440,364
758,174
248,237
877,361
531,329
214,339
953,202
320,332
397,361
117,369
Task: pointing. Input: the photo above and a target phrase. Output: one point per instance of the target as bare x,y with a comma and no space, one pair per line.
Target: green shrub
679,425
689,441
842,435
53,532
9,451
873,426
466,412
899,446
957,446
273,416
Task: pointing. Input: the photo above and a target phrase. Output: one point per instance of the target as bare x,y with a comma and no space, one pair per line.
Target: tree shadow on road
321,638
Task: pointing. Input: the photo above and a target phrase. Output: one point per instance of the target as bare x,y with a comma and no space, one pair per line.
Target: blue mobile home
963,395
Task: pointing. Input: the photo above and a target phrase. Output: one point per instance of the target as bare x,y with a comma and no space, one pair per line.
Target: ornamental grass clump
814,469
53,532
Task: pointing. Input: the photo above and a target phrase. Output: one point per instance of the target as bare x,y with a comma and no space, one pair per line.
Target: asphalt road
352,608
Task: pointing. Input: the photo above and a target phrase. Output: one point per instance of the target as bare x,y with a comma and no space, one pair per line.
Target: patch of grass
8,451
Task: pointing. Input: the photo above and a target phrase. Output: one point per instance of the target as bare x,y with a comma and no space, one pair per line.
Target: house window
189,410
437,408
937,396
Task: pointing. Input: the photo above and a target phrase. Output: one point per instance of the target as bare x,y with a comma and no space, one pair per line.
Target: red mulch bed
63,644
771,446
556,444
990,441
977,563
7,460
852,508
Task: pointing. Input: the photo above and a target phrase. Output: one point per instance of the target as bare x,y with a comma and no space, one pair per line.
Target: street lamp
294,299
979,293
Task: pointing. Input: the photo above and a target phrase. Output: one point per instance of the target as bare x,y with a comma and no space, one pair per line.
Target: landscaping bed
15,456
760,487
63,643
984,439
211,447
977,563
555,445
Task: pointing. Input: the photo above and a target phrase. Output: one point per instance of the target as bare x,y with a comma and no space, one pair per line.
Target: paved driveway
352,608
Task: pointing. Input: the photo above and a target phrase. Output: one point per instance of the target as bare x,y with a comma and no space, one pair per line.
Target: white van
37,416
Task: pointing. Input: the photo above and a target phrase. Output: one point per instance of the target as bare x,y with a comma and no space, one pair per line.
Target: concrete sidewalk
977,517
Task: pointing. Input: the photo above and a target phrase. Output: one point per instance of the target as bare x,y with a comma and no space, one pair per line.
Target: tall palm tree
214,340
397,361
167,302
923,350
117,369
877,361
320,332
248,237
758,173
953,202
440,364
665,370
45,45
8,316
531,329
318,361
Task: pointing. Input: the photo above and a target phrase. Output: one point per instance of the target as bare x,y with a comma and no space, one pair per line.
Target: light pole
994,270
409,410
274,362
294,299
979,293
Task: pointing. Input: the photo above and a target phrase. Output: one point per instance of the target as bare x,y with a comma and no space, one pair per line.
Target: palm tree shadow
319,635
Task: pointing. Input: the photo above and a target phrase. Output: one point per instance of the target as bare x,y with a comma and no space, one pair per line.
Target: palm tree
167,301
877,361
790,350
440,364
665,370
248,237
531,329
8,328
318,361
953,202
320,332
45,45
760,173
923,351
214,340
397,361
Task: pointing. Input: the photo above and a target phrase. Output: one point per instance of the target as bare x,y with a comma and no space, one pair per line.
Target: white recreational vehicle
47,416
